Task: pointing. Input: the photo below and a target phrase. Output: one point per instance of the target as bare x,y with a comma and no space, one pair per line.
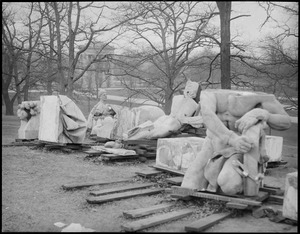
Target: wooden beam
156,220
121,189
193,193
276,199
136,213
273,191
118,196
93,152
239,206
117,156
149,173
177,172
175,180
206,222
77,185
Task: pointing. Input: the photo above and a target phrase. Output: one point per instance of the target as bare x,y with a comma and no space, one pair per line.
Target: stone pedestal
274,148
177,153
29,129
290,201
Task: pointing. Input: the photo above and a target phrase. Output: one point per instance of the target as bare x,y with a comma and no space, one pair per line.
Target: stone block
49,119
290,201
274,148
178,153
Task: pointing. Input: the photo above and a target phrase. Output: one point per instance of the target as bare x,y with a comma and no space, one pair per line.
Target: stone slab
290,201
274,146
49,119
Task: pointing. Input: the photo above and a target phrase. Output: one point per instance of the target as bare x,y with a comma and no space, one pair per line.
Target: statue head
102,94
191,89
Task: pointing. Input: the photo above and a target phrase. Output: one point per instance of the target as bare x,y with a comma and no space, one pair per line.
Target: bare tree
172,31
11,53
73,30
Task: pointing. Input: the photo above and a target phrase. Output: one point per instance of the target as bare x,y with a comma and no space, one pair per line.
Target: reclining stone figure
184,111
112,121
234,122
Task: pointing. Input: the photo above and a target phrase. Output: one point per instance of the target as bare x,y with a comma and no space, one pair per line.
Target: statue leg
229,180
194,176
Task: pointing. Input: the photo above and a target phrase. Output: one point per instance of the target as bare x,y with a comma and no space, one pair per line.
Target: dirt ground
33,198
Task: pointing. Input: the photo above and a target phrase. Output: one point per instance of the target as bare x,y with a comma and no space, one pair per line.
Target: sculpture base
177,153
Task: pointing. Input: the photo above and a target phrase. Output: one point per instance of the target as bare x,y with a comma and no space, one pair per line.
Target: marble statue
29,114
235,122
184,110
98,113
112,121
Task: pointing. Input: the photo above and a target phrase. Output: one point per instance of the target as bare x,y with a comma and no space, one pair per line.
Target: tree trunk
9,105
27,77
168,101
225,12
59,50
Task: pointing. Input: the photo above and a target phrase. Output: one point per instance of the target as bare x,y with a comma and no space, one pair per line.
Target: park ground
33,198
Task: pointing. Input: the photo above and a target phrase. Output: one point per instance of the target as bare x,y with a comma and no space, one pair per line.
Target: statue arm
278,118
271,111
195,121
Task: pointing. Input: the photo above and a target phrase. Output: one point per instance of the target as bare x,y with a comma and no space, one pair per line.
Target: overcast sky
247,27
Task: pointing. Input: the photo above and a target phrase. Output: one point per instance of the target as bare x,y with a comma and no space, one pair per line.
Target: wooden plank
117,157
77,185
136,213
121,189
177,172
148,173
276,199
206,222
272,190
235,205
118,196
193,193
93,152
175,180
25,140
156,220
181,197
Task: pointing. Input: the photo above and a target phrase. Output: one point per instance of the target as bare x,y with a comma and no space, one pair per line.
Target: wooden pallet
111,157
195,193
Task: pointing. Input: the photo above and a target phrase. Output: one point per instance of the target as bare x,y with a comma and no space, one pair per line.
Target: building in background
100,73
